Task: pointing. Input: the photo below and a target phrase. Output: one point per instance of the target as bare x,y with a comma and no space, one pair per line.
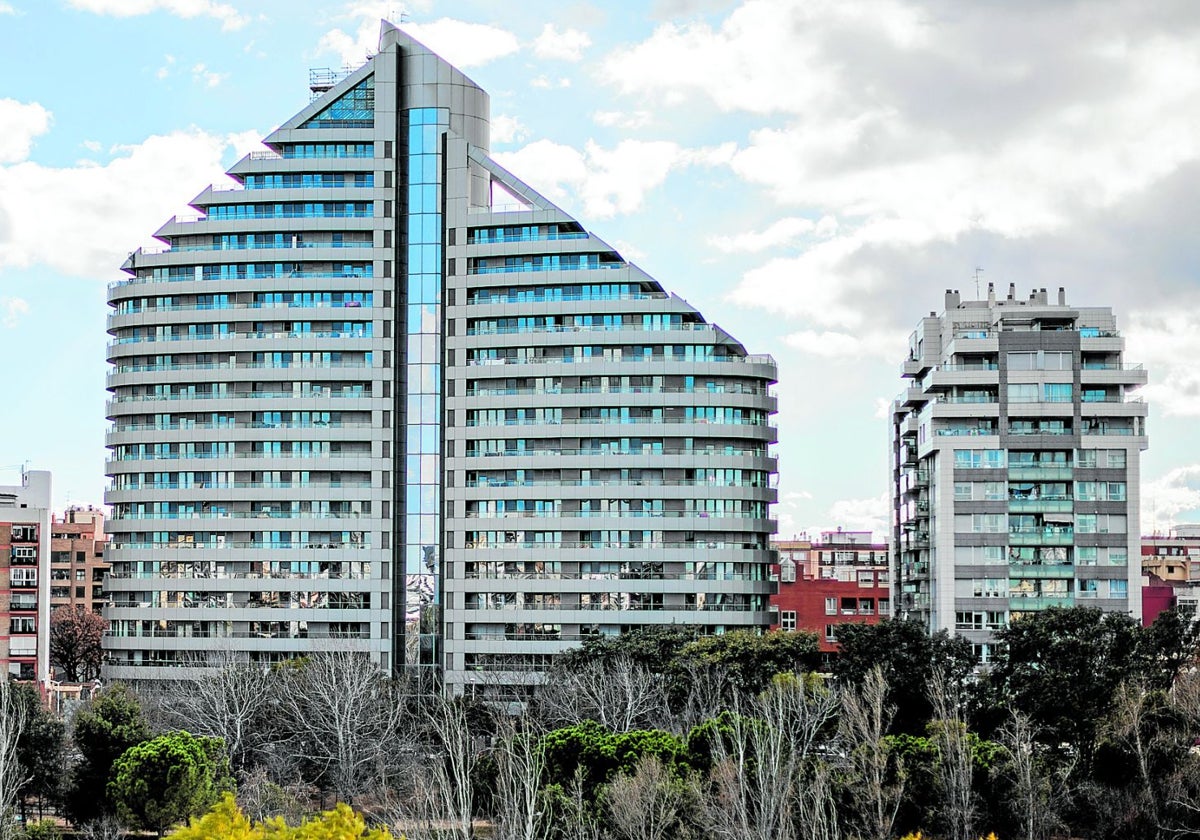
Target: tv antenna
978,271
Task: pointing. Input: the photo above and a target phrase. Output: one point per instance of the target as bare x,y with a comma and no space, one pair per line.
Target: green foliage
602,754
909,657
103,731
1062,667
654,648
167,779
225,821
749,660
43,830
41,748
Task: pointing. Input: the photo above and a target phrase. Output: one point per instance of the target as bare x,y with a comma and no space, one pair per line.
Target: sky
811,174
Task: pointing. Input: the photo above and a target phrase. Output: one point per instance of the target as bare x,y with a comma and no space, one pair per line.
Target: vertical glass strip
423,389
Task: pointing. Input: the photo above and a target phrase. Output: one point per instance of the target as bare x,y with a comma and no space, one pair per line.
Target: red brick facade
842,578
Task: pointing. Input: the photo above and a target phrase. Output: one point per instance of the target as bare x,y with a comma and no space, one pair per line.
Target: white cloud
562,45
1168,344
623,119
228,16
91,145
782,232
870,514
208,78
108,208
12,310
606,181
1170,500
506,129
6,9
461,43
20,123
919,155
855,346
546,83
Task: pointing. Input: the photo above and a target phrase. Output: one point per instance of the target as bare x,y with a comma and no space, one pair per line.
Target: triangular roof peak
390,34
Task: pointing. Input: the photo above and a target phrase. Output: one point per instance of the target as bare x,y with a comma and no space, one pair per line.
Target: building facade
77,562
1015,464
24,577
842,578
382,395
1171,571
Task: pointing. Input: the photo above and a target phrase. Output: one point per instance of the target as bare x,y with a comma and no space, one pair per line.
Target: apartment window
866,578
1118,589
1086,555
21,624
1052,360
1116,458
991,459
1085,458
831,632
866,606
831,606
885,606
1022,361
1056,392
81,574
1088,589
1023,392
787,572
787,620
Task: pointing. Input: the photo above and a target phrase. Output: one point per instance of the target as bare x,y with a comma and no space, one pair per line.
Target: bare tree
647,804
75,635
620,694
875,776
767,781
230,702
12,775
575,818
1036,792
520,766
343,717
709,693
107,827
955,761
437,798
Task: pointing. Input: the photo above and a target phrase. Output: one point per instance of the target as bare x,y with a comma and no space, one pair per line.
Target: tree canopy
163,781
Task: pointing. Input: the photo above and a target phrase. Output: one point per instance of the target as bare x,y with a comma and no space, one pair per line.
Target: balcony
1042,536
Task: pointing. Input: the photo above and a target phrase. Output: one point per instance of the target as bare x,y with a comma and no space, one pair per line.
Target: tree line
1085,725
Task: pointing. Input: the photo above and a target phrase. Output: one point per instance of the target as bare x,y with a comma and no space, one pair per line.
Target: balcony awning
1058,518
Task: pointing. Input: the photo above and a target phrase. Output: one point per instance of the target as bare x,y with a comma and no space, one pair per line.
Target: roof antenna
978,271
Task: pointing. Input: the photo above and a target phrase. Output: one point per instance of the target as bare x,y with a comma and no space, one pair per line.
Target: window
1023,393
831,606
866,579
831,632
1052,360
1085,458
787,620
1116,458
885,606
1118,588
979,458
1022,361
787,572
1056,392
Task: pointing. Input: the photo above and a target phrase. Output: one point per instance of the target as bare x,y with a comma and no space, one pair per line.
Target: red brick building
1170,571
842,578
77,564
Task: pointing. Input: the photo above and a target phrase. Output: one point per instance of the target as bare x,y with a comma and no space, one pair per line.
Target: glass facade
423,385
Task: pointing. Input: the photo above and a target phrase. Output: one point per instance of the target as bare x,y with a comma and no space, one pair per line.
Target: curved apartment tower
381,395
